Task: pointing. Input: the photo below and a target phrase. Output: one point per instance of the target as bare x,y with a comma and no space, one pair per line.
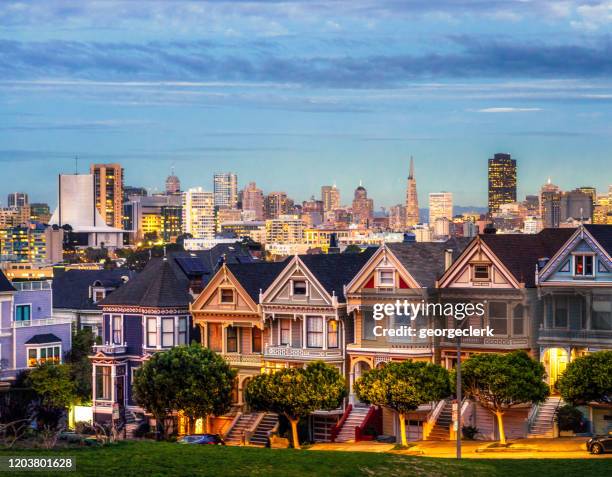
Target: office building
330,195
363,207
173,184
40,212
108,192
502,181
17,199
225,189
440,206
198,214
277,204
253,201
286,229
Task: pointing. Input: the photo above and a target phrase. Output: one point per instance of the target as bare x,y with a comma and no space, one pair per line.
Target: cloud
507,110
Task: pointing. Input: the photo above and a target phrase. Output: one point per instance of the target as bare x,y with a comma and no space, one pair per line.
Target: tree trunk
207,421
294,432
402,419
500,425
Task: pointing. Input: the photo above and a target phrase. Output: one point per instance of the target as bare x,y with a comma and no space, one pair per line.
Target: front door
121,390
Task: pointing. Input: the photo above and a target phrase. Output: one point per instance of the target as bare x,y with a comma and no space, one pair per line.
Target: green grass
145,458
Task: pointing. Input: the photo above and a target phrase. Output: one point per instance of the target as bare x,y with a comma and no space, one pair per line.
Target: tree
588,379
297,392
80,364
352,248
501,381
191,379
403,387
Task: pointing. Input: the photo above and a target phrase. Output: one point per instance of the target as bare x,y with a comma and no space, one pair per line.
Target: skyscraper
502,181
412,200
225,189
253,201
173,184
108,192
330,195
198,214
440,206
17,199
277,204
363,208
546,191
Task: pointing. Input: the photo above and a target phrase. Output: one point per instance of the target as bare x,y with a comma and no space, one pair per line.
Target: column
324,332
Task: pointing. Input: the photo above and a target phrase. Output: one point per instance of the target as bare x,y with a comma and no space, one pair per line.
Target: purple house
30,333
150,313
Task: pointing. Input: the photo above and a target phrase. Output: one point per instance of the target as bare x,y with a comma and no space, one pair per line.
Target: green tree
297,392
501,381
80,364
403,387
55,391
191,379
588,379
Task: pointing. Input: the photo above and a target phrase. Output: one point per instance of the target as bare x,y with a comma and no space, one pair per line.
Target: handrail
335,430
432,418
374,417
531,417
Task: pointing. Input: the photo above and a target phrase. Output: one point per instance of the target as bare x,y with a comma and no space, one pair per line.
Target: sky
296,94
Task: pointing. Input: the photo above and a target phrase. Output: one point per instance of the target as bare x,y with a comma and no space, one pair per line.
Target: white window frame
379,281
293,287
182,319
23,304
480,279
146,331
171,319
113,329
38,348
583,256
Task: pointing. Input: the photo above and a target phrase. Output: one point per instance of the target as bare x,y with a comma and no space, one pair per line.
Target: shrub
570,418
470,432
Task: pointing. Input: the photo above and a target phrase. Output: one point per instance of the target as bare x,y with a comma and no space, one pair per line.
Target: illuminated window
152,332
40,355
182,333
583,265
167,331
332,334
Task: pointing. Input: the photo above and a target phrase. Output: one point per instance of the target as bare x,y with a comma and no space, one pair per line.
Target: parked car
600,444
203,439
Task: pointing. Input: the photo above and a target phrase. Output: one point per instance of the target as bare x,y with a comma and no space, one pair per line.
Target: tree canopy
588,379
403,387
500,381
297,392
80,364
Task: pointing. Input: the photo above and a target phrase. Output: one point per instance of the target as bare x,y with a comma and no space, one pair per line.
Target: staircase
543,423
132,422
260,435
354,419
243,424
441,429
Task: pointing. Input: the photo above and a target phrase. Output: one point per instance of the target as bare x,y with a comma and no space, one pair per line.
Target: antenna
76,165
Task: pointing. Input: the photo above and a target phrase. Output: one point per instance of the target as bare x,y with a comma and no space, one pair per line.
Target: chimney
448,258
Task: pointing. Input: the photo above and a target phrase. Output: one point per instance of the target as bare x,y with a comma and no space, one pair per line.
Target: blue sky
296,94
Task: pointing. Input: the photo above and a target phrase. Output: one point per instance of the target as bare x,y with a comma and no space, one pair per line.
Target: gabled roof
603,235
520,252
71,288
157,286
335,270
5,284
425,261
44,338
256,276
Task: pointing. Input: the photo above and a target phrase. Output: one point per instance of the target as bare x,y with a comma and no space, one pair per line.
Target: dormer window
98,295
299,287
386,278
583,265
227,295
481,273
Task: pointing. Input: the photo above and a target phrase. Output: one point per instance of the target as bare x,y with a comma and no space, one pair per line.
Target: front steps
543,424
441,429
242,425
260,435
354,419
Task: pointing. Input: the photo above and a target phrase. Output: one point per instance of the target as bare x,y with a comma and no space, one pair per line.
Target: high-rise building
549,188
550,204
602,213
253,201
397,217
330,195
363,208
590,191
576,204
277,204
502,181
17,199
412,200
130,191
198,214
40,212
440,206
173,184
286,229
225,189
108,192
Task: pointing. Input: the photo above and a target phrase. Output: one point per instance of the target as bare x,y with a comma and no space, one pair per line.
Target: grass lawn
161,458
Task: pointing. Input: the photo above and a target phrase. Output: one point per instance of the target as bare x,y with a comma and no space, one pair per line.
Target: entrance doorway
555,362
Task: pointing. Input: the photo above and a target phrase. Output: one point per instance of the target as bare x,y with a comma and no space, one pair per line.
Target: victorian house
150,313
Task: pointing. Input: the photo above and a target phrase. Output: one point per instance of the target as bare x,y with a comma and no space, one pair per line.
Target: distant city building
397,217
576,204
363,208
502,181
225,214
173,184
532,205
34,243
255,230
108,192
441,227
470,229
602,213
330,195
533,225
40,212
153,217
253,201
440,206
131,191
286,229
590,191
225,189
550,203
412,199
546,191
17,199
277,204
198,214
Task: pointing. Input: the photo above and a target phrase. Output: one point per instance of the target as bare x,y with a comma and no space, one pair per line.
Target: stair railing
433,418
372,419
248,433
532,416
335,430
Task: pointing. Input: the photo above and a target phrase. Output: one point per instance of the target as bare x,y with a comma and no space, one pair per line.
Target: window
368,325
98,295
314,332
151,332
561,312
232,339
215,340
182,331
602,312
23,312
386,278
332,334
518,327
256,340
498,317
117,329
227,295
167,331
285,332
103,383
299,287
583,265
481,272
44,353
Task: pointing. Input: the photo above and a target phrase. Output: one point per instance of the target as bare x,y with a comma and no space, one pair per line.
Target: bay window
117,323
182,330
498,317
151,332
41,354
103,383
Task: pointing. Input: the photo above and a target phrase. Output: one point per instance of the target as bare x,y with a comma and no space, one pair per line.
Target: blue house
30,333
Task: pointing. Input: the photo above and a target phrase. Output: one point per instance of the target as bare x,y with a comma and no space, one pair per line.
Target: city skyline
295,95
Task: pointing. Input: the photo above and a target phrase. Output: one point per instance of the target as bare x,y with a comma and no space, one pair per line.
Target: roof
520,252
425,260
44,338
71,288
256,276
603,235
335,270
5,284
157,286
